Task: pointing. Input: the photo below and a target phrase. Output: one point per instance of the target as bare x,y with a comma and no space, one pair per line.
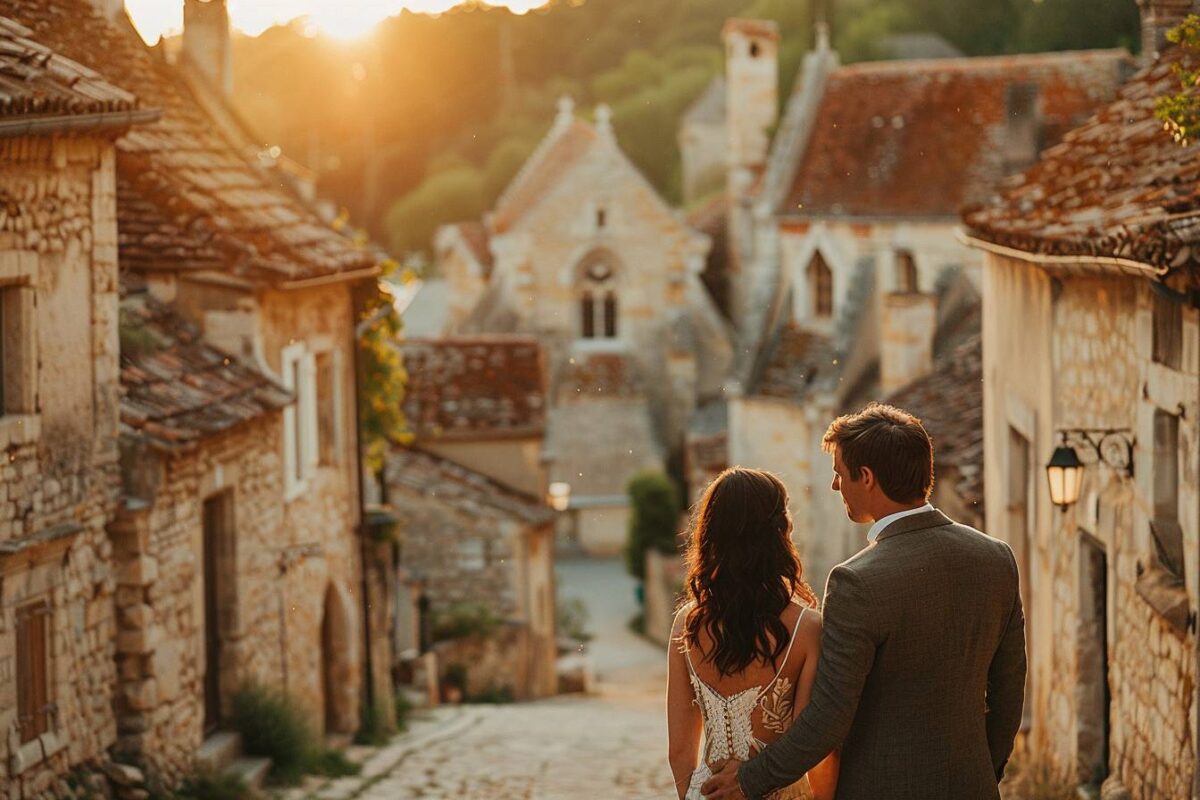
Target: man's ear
866,476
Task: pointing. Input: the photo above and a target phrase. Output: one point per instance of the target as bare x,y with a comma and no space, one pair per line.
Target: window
598,302
1168,332
601,218
472,554
17,358
754,49
35,710
820,286
300,418
906,272
1165,529
328,394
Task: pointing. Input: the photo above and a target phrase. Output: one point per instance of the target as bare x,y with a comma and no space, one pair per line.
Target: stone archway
339,661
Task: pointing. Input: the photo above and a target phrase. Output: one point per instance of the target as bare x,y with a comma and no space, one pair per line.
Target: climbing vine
1180,111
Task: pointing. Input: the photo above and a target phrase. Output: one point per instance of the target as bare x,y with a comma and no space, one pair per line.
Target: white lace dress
729,728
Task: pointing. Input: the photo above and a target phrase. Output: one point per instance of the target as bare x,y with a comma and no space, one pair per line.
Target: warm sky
346,19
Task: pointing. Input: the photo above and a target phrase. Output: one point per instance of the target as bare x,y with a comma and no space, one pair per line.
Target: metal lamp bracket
1110,446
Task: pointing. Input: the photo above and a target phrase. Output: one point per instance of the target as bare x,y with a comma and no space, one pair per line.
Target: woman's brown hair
743,570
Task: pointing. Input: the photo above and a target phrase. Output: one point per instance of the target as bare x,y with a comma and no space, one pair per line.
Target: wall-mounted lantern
1064,472
558,496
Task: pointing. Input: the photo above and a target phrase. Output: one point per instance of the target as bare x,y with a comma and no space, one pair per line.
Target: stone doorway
338,652
218,567
1093,693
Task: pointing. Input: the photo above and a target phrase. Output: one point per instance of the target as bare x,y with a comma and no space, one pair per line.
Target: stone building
583,254
237,542
471,497
850,284
1092,339
59,482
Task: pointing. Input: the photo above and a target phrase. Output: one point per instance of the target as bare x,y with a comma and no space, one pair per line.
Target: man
921,675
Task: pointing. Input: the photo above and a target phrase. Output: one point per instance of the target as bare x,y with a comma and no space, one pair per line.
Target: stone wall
598,445
1076,354
58,482
785,439
160,598
465,555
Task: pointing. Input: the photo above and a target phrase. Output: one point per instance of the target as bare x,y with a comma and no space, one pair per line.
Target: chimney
906,349
206,44
1023,134
751,87
1158,17
110,9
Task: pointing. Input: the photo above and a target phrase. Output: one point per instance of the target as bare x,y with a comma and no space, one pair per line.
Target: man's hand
723,785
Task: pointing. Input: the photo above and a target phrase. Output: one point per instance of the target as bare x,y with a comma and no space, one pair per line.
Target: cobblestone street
610,744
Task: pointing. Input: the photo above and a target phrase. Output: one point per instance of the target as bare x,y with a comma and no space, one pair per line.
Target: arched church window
906,272
598,302
820,286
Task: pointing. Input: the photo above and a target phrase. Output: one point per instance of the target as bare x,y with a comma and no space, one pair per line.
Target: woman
743,651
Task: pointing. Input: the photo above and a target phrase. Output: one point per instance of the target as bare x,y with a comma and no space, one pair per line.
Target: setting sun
340,19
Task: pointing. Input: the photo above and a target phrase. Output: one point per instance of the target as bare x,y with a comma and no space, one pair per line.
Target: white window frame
299,418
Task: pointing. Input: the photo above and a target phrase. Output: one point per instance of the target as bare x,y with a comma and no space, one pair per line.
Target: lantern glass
559,496
1065,476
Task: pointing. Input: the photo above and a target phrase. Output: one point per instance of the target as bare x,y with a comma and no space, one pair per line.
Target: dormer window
820,287
598,301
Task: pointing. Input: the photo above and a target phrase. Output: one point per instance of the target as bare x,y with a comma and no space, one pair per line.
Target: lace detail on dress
777,706
728,723
727,728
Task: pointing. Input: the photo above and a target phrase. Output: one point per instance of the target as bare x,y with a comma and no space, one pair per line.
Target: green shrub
404,708
332,764
462,620
493,694
573,619
456,676
273,726
653,519
208,785
377,729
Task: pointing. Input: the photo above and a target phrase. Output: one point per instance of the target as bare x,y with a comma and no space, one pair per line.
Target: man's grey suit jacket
922,670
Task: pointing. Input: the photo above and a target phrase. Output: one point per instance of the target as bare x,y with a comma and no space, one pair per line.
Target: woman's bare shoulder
808,632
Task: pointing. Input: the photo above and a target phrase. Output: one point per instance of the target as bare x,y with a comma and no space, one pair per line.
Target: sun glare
346,20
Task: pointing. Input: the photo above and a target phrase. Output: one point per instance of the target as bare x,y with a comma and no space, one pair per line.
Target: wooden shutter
33,690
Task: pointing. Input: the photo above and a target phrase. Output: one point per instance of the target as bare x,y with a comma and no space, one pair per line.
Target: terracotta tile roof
467,491
924,138
1118,186
185,166
482,387
37,82
949,403
598,375
558,151
797,361
476,237
177,389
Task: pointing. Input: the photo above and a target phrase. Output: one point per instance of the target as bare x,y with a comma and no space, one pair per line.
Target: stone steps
222,752
252,771
219,751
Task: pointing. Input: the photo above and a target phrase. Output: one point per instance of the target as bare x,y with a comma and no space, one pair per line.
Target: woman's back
747,710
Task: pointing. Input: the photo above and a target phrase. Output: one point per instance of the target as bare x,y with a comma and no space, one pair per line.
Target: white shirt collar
880,524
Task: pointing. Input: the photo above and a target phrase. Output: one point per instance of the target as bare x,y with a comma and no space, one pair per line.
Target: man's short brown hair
892,443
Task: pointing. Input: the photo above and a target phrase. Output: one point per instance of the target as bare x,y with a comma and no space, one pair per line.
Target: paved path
610,745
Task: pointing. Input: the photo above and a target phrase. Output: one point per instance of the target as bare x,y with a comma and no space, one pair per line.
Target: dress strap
786,653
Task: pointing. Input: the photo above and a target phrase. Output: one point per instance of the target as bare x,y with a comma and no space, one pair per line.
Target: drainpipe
368,669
